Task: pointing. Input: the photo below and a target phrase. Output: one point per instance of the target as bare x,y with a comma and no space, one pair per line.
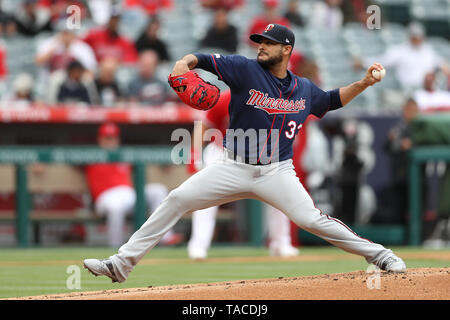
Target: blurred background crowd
122,51
119,53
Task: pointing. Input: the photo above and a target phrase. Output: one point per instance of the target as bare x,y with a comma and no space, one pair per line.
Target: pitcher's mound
423,283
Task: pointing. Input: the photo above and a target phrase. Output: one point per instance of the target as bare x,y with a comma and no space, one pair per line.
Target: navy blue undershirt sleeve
229,69
204,62
335,98
324,101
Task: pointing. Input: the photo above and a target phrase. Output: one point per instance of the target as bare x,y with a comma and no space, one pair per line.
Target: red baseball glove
194,91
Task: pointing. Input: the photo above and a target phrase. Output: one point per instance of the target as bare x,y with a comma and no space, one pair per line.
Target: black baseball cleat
101,268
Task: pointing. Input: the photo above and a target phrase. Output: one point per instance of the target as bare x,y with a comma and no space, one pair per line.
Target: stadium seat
124,75
20,55
441,46
434,15
133,23
393,33
396,10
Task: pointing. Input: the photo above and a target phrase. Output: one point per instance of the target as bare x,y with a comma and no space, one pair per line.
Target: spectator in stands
100,11
107,90
111,188
270,15
150,40
146,88
7,24
31,19
221,35
326,14
107,42
222,4
3,64
57,52
398,144
150,7
410,61
73,90
293,13
22,92
428,98
350,174
58,9
304,67
356,11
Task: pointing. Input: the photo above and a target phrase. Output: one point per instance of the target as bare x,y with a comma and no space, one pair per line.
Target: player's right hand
368,78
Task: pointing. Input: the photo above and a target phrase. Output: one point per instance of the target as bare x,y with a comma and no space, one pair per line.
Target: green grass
26,272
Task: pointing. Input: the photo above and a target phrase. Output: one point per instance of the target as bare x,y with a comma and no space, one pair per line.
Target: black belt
231,155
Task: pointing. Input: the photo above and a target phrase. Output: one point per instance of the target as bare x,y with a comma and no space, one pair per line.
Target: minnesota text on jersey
271,105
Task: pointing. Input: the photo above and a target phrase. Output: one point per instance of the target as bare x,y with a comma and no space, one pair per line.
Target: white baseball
378,74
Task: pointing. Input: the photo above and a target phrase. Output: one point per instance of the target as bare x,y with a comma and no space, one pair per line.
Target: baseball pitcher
267,108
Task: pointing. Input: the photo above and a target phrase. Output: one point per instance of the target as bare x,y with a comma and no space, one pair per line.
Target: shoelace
387,262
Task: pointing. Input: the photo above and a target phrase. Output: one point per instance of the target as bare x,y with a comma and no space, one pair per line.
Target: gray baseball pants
228,180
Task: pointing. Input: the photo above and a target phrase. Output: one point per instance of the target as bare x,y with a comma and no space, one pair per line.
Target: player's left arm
349,92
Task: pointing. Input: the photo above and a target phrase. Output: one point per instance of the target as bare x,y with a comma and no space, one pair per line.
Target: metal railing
418,156
137,156
140,156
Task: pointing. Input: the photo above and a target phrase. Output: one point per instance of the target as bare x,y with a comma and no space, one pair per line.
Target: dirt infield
423,283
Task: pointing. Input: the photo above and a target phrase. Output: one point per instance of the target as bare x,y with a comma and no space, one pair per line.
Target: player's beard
271,61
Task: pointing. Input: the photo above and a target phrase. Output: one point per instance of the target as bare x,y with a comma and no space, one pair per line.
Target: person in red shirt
111,188
57,8
270,15
151,7
106,42
3,65
222,4
203,221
